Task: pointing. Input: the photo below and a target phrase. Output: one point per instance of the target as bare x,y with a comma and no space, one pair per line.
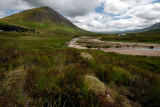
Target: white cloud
13,5
69,7
91,21
104,23
149,12
120,6
2,13
8,7
131,14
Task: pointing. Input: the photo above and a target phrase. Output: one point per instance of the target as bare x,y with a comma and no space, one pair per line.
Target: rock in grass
94,84
98,87
87,56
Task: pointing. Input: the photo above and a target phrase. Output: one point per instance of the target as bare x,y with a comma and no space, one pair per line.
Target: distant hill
43,19
153,28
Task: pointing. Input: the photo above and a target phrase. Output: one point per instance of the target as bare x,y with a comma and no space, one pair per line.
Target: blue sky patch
158,1
100,8
128,17
11,12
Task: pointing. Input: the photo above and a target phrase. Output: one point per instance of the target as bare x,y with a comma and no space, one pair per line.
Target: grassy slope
26,41
21,19
54,73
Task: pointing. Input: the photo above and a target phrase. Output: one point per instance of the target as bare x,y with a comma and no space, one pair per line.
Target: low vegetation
27,41
143,37
44,72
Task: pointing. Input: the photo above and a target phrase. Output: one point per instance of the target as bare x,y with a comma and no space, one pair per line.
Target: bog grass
26,41
56,77
55,73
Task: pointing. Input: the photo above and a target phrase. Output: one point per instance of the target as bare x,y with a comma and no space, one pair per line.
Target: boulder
98,87
94,84
87,56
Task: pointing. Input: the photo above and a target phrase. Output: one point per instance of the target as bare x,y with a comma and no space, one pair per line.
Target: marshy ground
40,70
128,48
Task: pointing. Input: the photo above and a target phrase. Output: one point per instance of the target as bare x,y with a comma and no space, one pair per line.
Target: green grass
121,76
144,37
47,26
33,41
56,76
55,73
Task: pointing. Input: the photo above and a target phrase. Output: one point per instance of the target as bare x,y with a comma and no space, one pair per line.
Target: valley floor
40,70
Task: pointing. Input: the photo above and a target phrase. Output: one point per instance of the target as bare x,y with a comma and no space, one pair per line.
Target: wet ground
142,49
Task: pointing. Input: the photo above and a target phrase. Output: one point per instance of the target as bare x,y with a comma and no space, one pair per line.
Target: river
142,49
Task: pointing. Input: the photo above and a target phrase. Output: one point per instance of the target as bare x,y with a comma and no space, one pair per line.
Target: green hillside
42,19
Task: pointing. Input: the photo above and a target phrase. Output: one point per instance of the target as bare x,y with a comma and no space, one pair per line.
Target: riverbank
142,49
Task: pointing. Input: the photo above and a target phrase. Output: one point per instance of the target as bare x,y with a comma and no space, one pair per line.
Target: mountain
43,19
153,28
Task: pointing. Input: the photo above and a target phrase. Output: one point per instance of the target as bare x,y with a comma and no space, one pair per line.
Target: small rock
87,56
151,47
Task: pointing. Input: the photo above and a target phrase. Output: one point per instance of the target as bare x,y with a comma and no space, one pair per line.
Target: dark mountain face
48,14
153,27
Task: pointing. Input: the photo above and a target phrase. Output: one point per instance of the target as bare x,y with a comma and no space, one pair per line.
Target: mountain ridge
154,27
43,19
50,14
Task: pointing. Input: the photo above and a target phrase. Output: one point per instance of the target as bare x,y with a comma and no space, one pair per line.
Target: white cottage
122,34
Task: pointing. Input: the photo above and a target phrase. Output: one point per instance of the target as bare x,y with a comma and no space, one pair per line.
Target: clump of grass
121,76
104,72
118,99
10,67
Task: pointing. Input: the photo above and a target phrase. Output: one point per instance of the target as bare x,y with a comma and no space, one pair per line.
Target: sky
95,15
